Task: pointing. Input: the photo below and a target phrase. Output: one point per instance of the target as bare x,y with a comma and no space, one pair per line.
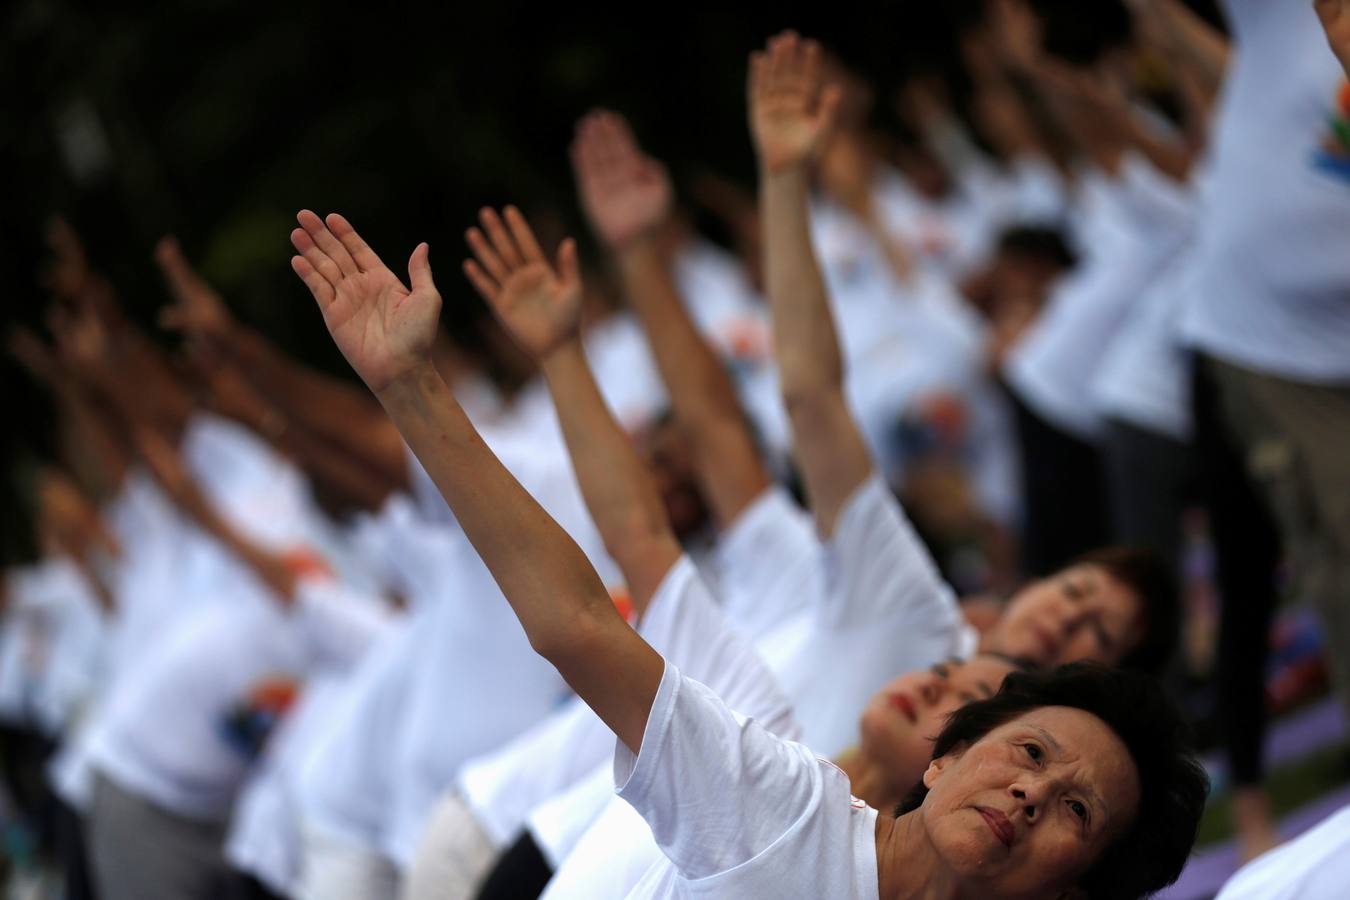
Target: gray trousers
1296,440
142,852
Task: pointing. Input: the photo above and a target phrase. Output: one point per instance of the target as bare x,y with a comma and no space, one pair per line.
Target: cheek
1084,647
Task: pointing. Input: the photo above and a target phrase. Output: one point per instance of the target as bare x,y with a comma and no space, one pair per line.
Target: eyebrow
1087,788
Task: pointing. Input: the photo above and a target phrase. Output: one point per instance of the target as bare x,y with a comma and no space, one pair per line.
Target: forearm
616,486
340,412
560,601
1193,43
729,466
828,445
805,342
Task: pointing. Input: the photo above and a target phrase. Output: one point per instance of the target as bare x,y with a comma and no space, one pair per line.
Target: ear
939,765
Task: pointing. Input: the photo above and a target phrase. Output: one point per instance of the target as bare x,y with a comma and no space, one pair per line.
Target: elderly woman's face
1028,808
903,719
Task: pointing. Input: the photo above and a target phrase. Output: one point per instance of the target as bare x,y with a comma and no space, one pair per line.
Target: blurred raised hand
792,109
197,310
537,302
626,194
384,328
1335,16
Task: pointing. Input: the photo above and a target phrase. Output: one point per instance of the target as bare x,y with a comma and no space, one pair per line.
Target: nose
1030,795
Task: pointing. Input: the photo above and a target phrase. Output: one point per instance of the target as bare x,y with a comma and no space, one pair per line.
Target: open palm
384,330
539,305
625,193
791,108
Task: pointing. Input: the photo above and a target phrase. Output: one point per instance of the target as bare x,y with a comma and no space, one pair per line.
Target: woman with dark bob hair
1061,785
1172,786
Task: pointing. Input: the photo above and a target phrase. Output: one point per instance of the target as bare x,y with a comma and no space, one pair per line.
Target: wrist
415,383
563,358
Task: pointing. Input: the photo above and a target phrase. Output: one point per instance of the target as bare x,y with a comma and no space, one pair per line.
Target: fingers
324,239
178,273
524,237
314,254
364,257
569,269
419,268
482,283
501,241
318,285
486,256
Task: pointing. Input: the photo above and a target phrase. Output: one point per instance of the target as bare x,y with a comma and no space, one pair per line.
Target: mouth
905,705
998,823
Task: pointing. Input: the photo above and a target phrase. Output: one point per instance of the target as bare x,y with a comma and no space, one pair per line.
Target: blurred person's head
1028,260
1118,606
664,448
899,724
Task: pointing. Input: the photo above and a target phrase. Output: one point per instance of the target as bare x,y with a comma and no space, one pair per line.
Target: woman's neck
908,867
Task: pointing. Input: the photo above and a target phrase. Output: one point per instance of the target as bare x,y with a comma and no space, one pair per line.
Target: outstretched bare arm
385,330
627,196
540,306
790,117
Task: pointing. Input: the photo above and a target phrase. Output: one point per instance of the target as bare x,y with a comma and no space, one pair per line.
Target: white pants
454,856
338,868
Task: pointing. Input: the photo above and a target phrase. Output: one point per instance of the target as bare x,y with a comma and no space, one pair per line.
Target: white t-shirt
1144,376
885,610
51,645
183,728
739,812
1052,367
1314,866
171,572
684,624
1272,290
458,679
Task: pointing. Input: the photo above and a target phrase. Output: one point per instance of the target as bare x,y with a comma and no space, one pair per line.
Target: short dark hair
1041,242
1153,581
1172,784
1083,39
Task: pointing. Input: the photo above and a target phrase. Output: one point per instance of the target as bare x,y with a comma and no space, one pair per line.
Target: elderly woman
738,811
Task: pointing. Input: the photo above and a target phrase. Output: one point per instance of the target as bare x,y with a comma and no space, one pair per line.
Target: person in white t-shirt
1313,866
1032,796
1268,319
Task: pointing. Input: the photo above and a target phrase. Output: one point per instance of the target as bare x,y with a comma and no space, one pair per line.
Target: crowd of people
844,561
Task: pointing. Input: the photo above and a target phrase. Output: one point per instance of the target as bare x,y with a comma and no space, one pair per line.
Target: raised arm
385,330
540,306
1335,16
627,197
339,412
790,115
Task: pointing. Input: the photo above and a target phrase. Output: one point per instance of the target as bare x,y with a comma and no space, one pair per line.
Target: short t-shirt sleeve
876,567
768,563
716,788
686,625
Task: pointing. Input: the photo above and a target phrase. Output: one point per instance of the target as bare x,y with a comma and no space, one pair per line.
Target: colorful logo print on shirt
1333,156
250,721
